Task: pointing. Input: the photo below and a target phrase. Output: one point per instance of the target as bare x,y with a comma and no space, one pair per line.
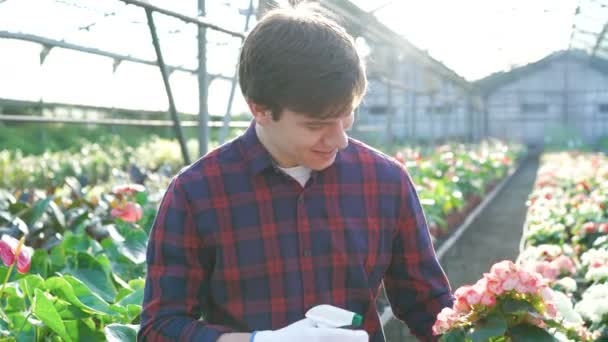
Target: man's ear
262,114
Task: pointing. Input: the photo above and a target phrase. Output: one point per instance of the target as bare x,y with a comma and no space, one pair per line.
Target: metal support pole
224,130
165,74
486,130
389,99
203,86
469,114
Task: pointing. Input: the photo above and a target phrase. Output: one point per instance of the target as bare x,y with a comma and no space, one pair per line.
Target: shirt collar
255,154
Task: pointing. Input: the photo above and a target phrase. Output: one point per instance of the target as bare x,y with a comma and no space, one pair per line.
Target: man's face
296,139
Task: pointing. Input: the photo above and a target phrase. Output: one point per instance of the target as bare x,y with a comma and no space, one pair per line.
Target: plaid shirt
237,245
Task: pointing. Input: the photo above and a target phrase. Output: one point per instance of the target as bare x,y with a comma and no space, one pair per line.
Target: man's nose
337,138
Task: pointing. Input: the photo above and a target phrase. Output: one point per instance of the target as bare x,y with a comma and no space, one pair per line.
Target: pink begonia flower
128,189
8,247
461,305
596,264
399,157
589,227
509,283
131,212
547,294
551,309
547,269
503,269
488,298
564,263
444,321
472,296
536,321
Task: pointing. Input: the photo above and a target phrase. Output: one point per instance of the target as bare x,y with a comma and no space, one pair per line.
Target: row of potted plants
557,290
79,250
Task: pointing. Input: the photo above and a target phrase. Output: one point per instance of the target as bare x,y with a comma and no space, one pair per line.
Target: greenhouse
303,170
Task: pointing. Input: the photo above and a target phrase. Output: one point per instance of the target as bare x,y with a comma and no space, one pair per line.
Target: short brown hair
302,60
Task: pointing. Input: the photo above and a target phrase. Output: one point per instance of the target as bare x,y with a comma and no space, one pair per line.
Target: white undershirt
299,173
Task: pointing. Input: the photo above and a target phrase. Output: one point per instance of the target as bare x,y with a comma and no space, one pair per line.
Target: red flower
130,212
128,189
8,247
399,157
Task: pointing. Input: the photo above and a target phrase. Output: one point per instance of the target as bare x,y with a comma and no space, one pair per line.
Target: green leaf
484,329
83,330
530,333
23,329
78,294
79,220
57,216
71,312
134,246
17,207
141,198
39,209
29,283
58,257
40,263
517,306
454,335
137,284
137,297
14,303
46,312
134,310
121,332
94,275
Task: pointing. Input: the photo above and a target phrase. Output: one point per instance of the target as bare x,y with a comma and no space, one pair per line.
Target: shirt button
307,253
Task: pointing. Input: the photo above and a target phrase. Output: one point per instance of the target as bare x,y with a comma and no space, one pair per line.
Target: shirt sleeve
416,285
178,266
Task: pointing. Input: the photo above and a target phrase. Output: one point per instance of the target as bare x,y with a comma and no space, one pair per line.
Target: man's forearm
234,337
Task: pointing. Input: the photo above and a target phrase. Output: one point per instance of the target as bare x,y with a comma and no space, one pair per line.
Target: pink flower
589,227
564,264
510,283
495,287
546,293
551,309
8,247
461,305
502,269
473,296
536,321
488,299
399,157
444,321
130,212
547,269
128,189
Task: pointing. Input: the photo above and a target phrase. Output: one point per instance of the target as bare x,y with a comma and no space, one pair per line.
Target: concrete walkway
492,237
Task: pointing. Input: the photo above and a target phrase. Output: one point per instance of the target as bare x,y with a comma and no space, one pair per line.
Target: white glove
305,330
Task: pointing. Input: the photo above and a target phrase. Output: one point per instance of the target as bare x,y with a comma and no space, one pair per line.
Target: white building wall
566,94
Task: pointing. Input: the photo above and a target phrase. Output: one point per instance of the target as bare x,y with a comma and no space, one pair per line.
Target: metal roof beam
116,56
200,21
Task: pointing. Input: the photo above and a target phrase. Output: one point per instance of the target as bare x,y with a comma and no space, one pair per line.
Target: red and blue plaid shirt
238,245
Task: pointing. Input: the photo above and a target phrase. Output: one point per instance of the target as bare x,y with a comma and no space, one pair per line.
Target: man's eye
314,127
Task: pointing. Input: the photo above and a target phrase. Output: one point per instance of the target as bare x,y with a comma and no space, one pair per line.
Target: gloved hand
305,330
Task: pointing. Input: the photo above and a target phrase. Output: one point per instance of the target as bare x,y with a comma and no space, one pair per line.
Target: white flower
597,274
594,255
567,284
565,309
594,303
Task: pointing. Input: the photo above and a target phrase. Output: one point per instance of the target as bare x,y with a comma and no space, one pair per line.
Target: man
292,213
